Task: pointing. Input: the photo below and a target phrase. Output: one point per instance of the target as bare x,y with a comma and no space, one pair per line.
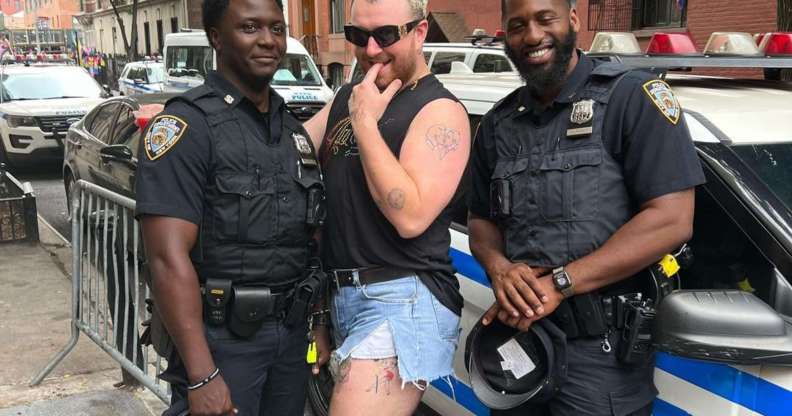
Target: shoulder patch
664,99
165,131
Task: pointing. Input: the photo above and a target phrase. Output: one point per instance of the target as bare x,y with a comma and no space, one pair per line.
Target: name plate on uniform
305,150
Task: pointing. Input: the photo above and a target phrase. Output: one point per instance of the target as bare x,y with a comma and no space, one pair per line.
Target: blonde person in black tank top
405,167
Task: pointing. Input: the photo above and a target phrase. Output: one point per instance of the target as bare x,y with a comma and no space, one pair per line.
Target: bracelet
322,312
205,381
319,318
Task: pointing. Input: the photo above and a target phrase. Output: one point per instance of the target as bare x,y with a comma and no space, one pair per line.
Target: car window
491,63
155,73
125,72
102,121
442,61
188,61
427,56
297,69
125,129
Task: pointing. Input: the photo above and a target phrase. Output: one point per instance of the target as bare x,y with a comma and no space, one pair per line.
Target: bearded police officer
228,191
580,179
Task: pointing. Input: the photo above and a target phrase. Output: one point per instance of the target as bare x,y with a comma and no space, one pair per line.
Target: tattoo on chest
442,140
386,373
396,199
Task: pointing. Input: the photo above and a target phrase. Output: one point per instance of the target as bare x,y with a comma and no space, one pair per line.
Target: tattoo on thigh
386,373
396,198
340,370
442,140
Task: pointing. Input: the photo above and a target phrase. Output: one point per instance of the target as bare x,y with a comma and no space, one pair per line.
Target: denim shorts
424,332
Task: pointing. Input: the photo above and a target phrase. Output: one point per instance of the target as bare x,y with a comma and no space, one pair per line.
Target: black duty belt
367,275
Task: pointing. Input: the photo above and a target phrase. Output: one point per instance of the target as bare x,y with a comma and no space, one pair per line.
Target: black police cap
498,388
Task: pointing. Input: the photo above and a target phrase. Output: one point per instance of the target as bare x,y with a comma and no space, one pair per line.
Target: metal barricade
108,291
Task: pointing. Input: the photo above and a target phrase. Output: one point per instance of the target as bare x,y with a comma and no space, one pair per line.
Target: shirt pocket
245,211
517,176
570,185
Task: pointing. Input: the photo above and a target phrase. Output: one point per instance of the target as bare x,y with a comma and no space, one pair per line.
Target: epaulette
610,69
191,95
508,99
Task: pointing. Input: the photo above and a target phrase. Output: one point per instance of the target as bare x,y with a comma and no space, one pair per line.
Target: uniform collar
572,85
228,92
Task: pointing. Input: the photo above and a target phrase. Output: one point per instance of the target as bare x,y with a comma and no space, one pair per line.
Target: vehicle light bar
671,44
731,44
776,44
620,43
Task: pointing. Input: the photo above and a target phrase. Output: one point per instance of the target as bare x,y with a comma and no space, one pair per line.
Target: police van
725,343
188,58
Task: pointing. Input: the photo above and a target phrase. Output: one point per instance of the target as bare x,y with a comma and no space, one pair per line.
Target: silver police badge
582,112
304,149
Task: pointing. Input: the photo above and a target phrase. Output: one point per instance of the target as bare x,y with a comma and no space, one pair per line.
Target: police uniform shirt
173,172
656,152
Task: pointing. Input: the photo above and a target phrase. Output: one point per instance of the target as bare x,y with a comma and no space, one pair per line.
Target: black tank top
356,233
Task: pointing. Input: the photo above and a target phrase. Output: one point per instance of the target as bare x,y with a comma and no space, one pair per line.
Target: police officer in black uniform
580,179
226,193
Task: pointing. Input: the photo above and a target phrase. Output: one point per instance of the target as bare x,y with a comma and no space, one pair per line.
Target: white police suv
38,103
725,341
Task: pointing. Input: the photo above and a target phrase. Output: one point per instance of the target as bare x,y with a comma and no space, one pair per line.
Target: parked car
102,147
142,77
440,57
38,103
188,57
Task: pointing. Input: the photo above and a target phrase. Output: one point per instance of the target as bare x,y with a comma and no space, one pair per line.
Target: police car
142,77
38,103
726,348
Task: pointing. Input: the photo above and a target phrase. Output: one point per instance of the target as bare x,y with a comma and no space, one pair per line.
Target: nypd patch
165,131
662,97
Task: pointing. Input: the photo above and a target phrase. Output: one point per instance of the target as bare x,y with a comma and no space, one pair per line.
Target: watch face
562,281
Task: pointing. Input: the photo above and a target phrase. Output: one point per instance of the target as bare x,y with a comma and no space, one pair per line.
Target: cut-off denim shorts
423,331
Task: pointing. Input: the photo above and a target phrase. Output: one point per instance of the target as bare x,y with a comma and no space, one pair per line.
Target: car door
741,241
118,174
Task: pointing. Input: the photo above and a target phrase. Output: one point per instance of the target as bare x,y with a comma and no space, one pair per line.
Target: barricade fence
108,288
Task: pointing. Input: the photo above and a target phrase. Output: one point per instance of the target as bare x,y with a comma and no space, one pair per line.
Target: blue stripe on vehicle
468,266
734,385
737,386
664,408
138,86
464,395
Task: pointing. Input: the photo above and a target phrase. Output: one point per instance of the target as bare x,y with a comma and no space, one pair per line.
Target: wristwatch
562,282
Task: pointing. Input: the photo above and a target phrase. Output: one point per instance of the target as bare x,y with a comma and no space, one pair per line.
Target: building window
626,15
337,17
659,13
174,25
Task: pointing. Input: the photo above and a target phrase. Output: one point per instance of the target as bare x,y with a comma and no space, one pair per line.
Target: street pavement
36,304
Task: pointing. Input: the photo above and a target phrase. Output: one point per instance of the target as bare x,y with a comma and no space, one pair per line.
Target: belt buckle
355,277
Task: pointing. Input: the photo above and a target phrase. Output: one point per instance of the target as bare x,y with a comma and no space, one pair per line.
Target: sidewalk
35,304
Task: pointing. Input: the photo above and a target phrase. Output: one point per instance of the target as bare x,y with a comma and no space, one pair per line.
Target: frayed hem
417,383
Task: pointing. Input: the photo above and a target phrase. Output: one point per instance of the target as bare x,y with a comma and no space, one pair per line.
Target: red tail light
777,44
671,44
500,33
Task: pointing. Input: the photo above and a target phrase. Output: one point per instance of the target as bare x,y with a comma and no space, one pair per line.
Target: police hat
508,368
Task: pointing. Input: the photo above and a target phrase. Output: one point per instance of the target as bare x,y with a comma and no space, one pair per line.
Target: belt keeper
205,381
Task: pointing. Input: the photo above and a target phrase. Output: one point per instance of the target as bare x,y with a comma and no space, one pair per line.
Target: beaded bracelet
205,381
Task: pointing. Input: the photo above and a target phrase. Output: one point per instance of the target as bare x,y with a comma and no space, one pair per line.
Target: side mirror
729,326
72,120
116,153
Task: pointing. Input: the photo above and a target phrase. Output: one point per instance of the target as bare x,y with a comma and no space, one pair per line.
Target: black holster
306,294
217,294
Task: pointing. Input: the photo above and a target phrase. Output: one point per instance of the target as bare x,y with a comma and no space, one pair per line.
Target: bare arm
410,191
317,125
175,287
662,224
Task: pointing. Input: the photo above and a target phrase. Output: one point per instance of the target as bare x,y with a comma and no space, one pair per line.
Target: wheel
320,390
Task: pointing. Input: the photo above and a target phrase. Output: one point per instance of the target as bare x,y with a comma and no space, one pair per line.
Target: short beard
539,80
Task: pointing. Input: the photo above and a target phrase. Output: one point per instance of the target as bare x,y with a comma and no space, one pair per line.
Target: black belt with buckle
367,275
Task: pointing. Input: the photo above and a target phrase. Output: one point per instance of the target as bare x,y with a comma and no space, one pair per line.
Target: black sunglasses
384,35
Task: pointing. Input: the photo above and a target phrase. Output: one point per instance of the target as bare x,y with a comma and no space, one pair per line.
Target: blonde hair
418,8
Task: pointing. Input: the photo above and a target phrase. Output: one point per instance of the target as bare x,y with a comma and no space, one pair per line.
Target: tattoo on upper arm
396,199
442,140
388,372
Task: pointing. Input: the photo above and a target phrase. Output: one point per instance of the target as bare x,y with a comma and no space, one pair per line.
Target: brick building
319,23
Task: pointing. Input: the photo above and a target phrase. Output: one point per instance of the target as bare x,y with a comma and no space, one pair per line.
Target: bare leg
369,387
